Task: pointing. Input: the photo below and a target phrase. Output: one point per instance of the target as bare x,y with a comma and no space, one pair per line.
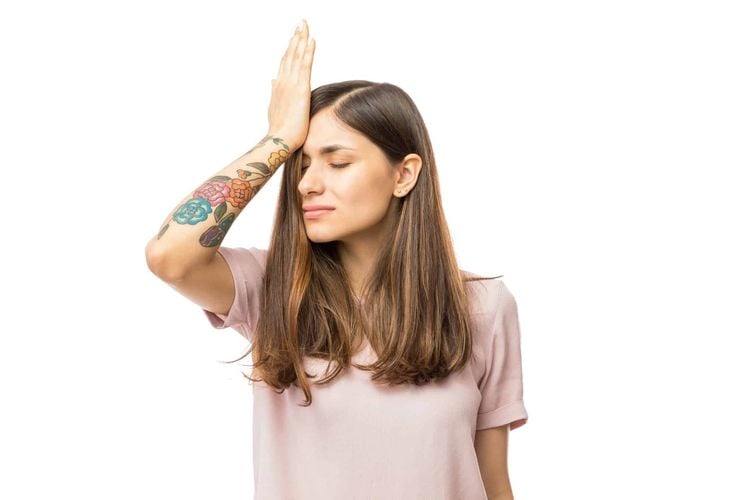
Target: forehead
327,135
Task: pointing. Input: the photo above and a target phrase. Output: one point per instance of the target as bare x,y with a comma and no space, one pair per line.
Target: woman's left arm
491,446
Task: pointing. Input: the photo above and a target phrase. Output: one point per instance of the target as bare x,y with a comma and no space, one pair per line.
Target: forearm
506,496
195,228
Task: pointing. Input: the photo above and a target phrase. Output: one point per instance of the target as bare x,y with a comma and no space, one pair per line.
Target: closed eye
334,165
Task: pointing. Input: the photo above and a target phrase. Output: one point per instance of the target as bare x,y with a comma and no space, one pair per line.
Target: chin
320,237
320,241
328,233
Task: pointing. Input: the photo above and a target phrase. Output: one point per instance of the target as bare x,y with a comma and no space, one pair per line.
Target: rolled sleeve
501,386
247,266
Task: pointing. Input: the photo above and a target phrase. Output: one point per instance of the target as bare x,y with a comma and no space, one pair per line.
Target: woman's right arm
190,236
195,228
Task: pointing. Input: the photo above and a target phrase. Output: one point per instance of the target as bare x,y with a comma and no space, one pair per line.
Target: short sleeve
501,385
247,266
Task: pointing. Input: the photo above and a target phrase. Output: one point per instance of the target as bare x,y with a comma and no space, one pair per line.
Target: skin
491,446
364,193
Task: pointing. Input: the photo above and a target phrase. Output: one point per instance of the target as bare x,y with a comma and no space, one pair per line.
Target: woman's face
361,191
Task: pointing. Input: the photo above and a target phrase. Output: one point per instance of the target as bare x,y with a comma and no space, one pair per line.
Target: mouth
315,214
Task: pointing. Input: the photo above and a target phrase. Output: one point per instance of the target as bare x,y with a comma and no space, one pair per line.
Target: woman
414,365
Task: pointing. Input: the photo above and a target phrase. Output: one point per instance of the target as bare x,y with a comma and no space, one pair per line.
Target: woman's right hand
289,111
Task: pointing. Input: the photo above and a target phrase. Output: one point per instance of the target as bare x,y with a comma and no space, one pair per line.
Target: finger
300,50
307,60
303,40
286,61
284,65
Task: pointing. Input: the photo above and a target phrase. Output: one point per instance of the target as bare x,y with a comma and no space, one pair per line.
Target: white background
593,152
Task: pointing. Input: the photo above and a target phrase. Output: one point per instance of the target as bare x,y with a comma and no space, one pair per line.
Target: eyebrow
330,149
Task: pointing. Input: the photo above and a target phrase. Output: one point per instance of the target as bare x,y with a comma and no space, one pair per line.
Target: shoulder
254,253
260,254
247,262
489,297
493,316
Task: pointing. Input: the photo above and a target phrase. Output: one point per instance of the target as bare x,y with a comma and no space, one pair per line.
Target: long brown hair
415,312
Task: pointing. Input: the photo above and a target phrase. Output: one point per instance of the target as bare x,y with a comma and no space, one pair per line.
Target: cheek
368,202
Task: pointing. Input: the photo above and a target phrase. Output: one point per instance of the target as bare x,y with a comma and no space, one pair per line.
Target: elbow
157,263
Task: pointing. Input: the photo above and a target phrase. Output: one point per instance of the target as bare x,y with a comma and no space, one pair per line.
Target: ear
408,173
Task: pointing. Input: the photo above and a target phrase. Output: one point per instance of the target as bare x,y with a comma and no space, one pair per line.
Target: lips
311,214
311,208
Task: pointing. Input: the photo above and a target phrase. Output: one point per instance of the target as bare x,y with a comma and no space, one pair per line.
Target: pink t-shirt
359,440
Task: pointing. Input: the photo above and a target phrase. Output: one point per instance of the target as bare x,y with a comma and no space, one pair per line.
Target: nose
310,181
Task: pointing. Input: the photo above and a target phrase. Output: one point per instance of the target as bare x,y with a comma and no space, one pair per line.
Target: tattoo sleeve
205,216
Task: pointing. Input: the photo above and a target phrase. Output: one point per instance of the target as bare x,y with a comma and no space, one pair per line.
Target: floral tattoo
217,193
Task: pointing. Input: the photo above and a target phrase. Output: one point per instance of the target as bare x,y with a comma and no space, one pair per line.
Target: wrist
282,136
